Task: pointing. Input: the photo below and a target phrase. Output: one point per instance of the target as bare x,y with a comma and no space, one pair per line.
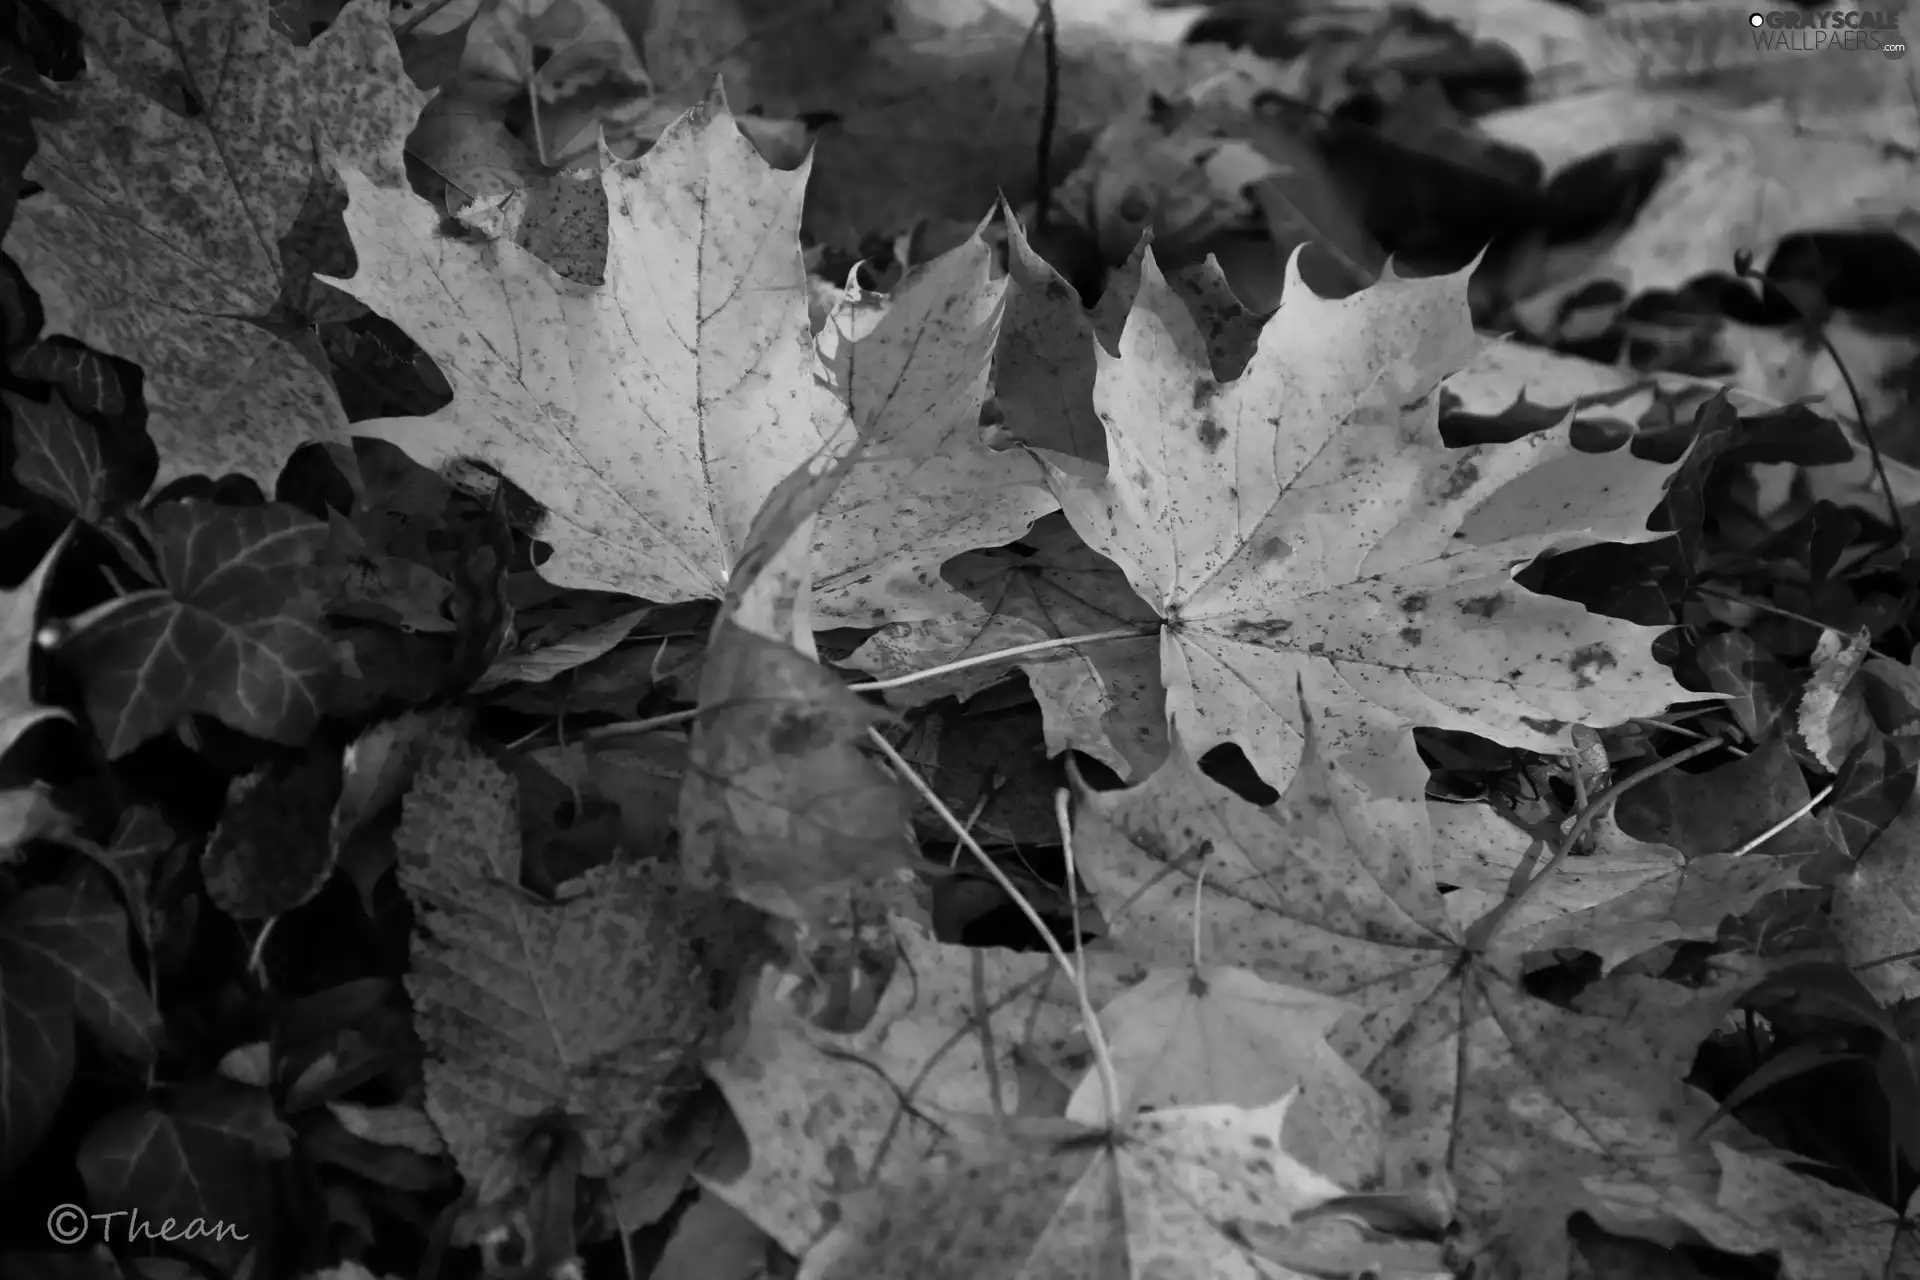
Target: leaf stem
992,868
1488,927
1096,1034
1743,264
632,728
1001,655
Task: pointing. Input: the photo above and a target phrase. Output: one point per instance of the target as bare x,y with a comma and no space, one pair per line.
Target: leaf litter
1225,517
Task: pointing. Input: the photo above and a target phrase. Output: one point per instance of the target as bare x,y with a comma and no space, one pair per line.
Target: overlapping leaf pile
1356,1030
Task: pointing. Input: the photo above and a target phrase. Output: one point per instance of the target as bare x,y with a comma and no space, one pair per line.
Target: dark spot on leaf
1057,290
1255,630
1139,479
1588,660
796,733
1204,391
1547,727
1412,603
1210,434
1483,606
1410,635
1316,648
1464,477
1197,986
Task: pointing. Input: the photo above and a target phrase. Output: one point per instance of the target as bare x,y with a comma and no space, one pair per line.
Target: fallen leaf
780,805
1624,898
272,851
1165,1194
1333,889
1216,1035
157,235
1303,523
1818,1230
539,665
913,365
594,1004
941,1061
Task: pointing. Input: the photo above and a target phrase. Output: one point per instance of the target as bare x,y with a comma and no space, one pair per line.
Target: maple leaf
1522,1104
591,1005
1304,523
1625,898
1207,1035
19,622
913,365
232,631
63,962
184,161
653,415
960,1040
1172,1193
1819,1231
780,806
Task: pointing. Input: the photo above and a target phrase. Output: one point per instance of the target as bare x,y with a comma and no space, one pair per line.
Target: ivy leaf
63,961
57,455
201,1157
233,631
19,621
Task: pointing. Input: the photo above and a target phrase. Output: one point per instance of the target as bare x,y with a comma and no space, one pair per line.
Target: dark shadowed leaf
63,960
205,1157
1719,811
594,1004
57,454
271,851
781,806
1685,508
233,631
89,381
1760,689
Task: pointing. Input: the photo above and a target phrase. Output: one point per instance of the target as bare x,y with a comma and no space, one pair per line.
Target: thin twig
1489,925
1001,655
972,846
1782,825
1654,722
1743,263
1049,116
1764,606
1096,1034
